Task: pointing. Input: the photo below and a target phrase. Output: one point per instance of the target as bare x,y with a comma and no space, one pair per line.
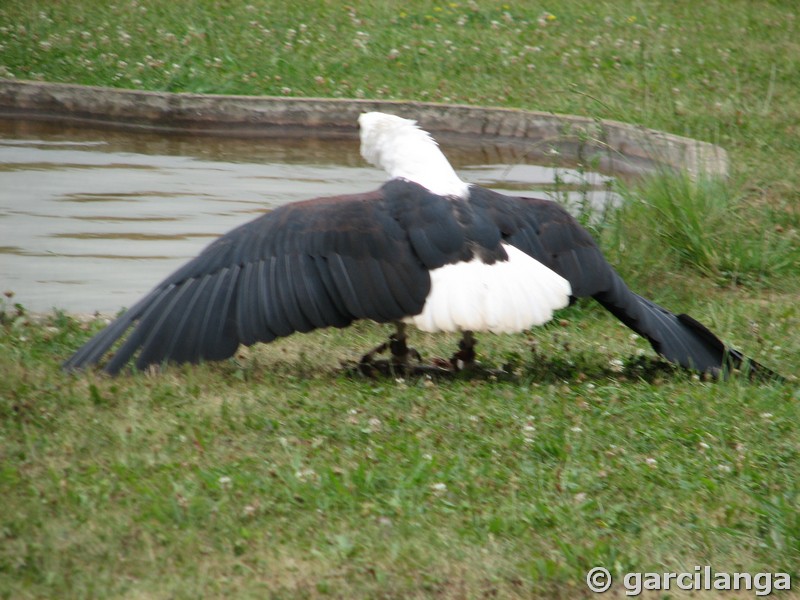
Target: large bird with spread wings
425,249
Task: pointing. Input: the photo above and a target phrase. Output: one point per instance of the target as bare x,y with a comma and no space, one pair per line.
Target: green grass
276,475
707,224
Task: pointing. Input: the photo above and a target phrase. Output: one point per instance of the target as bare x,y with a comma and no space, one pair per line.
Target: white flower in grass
528,430
374,424
306,474
439,488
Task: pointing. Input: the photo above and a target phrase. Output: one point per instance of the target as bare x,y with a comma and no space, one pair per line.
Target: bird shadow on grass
578,368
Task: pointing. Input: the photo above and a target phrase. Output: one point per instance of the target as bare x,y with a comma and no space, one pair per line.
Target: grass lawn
277,475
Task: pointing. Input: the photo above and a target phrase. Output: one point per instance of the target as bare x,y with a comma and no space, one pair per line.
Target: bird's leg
465,357
400,350
397,346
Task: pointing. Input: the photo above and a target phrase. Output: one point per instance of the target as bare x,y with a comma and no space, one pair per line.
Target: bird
425,249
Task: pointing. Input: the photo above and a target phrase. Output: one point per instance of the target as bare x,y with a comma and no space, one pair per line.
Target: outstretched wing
319,263
548,233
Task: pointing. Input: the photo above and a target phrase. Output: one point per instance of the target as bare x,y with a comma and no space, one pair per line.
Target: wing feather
183,344
307,290
287,291
139,333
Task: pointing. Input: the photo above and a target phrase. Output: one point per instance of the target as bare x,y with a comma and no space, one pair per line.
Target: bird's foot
464,358
404,361
401,353
369,357
400,362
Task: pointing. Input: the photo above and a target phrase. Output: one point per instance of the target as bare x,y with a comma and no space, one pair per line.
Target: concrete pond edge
618,147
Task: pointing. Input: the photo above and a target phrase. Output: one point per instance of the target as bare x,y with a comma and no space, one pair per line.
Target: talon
369,357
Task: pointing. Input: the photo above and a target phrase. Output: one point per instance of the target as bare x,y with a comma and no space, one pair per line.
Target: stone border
620,147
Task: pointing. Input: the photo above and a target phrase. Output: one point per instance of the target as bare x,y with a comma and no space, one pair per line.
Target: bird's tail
678,338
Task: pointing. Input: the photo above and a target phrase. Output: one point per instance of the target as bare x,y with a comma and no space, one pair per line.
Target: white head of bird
403,150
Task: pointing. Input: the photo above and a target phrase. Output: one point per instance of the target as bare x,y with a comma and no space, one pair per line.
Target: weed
705,223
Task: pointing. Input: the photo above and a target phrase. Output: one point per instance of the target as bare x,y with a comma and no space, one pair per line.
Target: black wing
312,264
548,233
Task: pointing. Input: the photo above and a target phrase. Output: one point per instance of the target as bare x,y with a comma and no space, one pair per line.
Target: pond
92,218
